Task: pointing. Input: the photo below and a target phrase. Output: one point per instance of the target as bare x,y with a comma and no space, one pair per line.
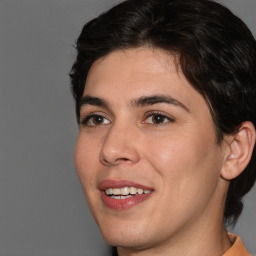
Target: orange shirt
238,248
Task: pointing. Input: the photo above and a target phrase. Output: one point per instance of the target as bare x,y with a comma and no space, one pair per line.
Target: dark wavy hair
216,53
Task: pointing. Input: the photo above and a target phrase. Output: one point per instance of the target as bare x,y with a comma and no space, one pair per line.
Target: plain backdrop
42,207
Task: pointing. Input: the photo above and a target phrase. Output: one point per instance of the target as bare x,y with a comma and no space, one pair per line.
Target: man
165,98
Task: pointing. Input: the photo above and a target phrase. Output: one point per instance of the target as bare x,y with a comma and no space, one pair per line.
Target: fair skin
144,126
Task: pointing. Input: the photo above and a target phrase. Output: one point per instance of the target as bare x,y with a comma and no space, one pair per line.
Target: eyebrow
139,102
94,101
155,99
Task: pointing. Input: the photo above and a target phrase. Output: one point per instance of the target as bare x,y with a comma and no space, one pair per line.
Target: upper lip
105,184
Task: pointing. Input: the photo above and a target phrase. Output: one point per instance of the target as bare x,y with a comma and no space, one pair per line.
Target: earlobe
240,148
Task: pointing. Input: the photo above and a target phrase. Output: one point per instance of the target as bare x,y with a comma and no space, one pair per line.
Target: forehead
132,73
144,65
147,56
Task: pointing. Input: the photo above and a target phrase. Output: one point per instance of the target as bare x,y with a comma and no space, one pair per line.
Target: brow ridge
156,99
94,101
142,101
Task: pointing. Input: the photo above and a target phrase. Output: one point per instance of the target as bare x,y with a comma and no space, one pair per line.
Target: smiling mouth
125,192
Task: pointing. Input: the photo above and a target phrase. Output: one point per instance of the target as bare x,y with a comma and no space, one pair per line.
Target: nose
119,146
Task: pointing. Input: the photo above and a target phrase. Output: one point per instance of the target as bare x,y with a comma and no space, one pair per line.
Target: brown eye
95,120
157,119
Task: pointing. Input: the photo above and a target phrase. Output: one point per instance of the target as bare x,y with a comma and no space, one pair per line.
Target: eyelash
86,119
161,114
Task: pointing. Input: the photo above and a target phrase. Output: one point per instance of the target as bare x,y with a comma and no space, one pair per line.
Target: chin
129,235
127,241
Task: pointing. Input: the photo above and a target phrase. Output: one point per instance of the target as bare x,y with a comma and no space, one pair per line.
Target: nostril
123,159
115,162
105,162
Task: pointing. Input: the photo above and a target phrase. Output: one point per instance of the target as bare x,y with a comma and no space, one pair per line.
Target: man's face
146,153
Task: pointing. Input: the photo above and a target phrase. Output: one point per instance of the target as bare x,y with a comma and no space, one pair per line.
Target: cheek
190,164
86,163
185,148
86,160
174,154
189,174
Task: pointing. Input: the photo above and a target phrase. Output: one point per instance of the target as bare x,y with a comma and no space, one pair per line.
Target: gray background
42,208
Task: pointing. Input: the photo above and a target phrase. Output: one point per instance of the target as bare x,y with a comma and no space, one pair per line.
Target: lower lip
123,204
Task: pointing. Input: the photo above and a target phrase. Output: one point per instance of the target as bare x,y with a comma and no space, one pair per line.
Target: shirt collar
238,248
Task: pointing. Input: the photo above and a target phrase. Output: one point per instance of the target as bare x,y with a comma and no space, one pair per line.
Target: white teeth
123,197
109,191
133,190
116,191
125,192
120,197
140,191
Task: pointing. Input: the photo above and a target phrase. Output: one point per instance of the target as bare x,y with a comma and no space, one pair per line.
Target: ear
238,151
